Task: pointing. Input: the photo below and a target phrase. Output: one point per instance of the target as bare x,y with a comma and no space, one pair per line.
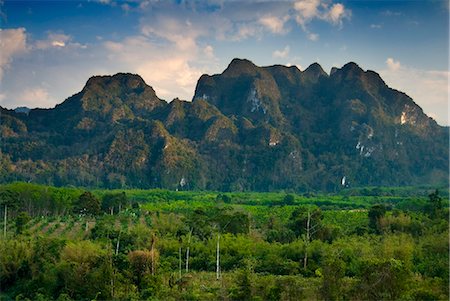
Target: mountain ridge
248,128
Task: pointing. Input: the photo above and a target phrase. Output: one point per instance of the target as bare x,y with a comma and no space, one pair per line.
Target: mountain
23,110
249,128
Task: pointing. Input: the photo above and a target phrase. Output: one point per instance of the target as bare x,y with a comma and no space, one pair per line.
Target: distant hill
23,110
249,128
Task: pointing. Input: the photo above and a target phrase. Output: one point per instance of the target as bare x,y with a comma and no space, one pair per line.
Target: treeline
109,247
41,200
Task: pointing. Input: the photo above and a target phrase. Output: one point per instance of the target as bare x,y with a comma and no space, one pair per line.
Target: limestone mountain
249,128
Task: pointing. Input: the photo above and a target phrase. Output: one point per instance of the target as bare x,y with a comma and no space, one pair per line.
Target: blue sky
48,49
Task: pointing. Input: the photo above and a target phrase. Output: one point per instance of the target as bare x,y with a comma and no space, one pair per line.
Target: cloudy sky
48,49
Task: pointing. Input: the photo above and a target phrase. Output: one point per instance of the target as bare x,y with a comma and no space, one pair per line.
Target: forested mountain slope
249,128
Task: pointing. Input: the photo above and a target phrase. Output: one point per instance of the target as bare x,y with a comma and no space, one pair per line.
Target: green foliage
87,204
242,289
299,220
375,214
333,273
15,257
9,197
113,202
130,256
39,200
117,133
21,220
385,279
84,270
435,204
289,199
224,198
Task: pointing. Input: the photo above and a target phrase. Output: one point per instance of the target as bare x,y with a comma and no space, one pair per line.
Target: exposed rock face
249,128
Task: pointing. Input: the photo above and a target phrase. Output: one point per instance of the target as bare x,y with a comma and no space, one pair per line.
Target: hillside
249,128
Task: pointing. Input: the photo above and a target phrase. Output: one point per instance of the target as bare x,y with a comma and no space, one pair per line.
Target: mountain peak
239,67
349,71
352,71
238,61
119,95
22,110
333,70
126,81
352,67
314,72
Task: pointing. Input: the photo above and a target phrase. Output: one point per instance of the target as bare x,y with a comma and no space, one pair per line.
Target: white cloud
313,36
12,43
274,24
231,20
337,13
35,97
208,51
281,53
169,66
428,88
57,40
390,13
392,64
58,44
299,67
182,34
376,26
307,10
177,80
245,31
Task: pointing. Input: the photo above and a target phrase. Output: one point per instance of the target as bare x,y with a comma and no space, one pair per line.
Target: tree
435,204
288,199
113,202
143,262
305,221
234,222
383,279
180,262
223,197
218,257
199,222
21,220
154,254
298,221
15,258
188,251
375,214
84,270
8,200
87,204
243,288
333,272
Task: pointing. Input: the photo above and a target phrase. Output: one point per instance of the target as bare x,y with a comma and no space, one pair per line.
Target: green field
356,244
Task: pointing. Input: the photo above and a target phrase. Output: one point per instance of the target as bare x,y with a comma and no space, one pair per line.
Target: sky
49,49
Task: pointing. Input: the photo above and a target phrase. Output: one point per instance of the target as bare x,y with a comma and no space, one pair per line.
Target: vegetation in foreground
361,244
